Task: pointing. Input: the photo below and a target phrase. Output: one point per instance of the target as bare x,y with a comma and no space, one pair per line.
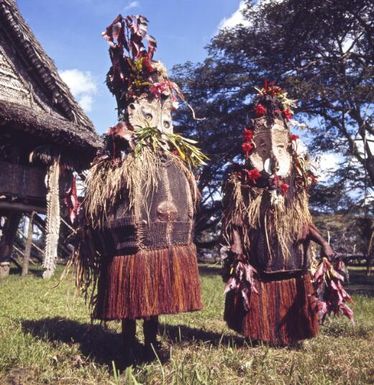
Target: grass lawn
46,338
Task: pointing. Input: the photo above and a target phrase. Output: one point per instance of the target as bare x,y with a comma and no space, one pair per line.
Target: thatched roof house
33,97
39,121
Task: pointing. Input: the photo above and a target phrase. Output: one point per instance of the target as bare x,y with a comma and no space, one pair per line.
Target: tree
321,52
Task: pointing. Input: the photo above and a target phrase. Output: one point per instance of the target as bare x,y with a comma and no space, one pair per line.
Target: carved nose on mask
167,211
165,124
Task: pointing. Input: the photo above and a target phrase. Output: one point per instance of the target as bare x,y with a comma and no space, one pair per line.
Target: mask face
153,112
272,151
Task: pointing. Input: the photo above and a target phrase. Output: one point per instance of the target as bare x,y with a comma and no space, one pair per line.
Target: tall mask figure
267,229
140,197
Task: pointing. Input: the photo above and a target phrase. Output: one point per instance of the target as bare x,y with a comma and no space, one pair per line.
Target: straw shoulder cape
139,237
270,237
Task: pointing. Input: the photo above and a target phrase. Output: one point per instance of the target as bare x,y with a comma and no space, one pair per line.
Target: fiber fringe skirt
281,313
152,282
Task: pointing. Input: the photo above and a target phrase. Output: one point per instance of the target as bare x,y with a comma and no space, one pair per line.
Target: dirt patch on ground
19,376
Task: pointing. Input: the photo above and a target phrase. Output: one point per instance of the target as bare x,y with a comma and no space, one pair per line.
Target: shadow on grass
209,269
181,334
95,342
36,272
104,346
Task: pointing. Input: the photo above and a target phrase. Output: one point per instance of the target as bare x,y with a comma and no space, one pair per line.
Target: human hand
328,252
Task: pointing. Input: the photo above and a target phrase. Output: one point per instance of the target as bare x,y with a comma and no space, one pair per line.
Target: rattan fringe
148,283
281,313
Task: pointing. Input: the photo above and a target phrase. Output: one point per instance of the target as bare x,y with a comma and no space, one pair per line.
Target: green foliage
168,142
46,338
322,53
349,233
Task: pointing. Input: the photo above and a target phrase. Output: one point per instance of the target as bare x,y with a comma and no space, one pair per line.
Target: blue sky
70,32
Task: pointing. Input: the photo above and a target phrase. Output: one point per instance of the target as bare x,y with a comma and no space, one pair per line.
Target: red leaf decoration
287,114
260,110
284,188
332,297
247,147
243,280
158,89
253,174
71,200
128,33
247,135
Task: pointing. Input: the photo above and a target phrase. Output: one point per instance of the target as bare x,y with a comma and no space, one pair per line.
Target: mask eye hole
166,124
281,146
132,106
148,116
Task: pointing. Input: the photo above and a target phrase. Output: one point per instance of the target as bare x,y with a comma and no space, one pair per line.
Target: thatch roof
33,97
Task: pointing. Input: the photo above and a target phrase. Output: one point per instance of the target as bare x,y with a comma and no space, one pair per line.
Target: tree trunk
26,258
370,260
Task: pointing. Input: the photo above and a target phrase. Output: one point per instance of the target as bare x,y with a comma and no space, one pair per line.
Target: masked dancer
141,197
267,230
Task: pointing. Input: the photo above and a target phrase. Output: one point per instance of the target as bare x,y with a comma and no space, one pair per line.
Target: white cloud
264,2
132,4
235,19
78,81
82,86
327,164
86,101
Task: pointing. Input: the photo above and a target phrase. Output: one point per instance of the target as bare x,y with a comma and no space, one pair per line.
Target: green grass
46,338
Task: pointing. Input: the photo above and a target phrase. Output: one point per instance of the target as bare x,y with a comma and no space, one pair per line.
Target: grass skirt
152,282
281,313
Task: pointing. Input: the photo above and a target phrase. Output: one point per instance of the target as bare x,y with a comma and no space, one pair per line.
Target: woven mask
272,148
151,112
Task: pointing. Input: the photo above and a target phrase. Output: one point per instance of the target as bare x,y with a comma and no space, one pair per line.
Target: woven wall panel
11,86
22,181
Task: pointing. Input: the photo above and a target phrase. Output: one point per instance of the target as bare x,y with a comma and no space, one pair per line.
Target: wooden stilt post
7,240
26,258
